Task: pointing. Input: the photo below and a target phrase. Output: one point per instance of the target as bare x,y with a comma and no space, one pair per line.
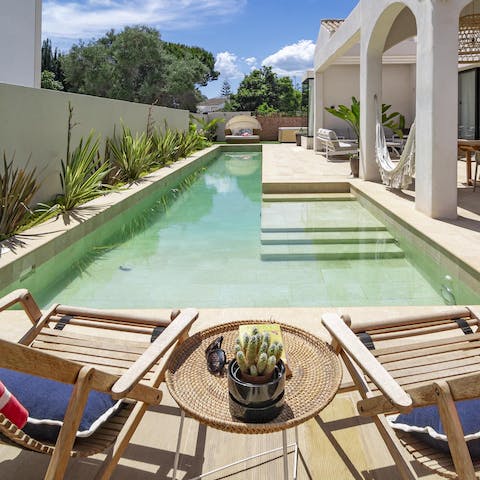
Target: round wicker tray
316,376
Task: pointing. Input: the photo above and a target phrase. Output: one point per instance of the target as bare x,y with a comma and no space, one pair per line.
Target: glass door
467,104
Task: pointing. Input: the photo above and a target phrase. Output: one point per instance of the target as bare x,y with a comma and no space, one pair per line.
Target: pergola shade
469,39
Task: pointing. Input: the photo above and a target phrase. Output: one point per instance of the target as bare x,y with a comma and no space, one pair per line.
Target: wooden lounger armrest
367,362
155,351
24,297
28,360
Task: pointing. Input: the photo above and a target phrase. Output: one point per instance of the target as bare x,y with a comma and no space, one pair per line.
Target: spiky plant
166,147
82,174
131,156
17,188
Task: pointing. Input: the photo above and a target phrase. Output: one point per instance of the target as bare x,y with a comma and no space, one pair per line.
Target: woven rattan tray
316,376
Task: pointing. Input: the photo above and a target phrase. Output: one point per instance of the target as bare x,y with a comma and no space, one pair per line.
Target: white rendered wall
341,82
20,42
33,123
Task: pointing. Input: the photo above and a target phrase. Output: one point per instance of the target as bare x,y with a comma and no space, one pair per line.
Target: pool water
203,249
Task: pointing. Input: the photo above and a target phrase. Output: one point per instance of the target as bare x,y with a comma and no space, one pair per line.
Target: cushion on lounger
47,400
242,131
425,423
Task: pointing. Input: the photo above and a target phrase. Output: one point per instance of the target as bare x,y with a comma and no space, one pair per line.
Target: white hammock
395,174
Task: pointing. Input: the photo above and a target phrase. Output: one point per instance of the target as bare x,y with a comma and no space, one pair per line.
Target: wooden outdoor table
469,147
316,376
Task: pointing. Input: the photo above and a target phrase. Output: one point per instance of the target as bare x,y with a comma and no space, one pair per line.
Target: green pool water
199,245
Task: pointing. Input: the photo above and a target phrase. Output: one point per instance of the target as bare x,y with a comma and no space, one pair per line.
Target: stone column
370,86
437,109
318,107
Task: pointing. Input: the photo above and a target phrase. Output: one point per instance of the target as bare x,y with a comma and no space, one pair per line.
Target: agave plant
17,187
132,156
83,174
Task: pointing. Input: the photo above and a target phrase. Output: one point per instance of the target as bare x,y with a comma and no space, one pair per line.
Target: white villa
381,33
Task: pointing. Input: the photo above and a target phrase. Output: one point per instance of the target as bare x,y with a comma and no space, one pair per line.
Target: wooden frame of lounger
417,361
124,368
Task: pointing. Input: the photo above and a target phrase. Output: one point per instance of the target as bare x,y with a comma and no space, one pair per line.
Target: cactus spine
256,354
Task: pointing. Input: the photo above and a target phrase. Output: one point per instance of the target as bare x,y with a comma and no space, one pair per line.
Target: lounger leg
122,441
59,462
395,448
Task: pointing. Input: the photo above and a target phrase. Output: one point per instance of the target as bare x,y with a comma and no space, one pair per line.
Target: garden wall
271,123
33,122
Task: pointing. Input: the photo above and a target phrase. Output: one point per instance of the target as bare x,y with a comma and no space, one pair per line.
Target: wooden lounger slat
440,327
424,345
109,315
427,359
429,351
93,350
69,336
448,325
91,323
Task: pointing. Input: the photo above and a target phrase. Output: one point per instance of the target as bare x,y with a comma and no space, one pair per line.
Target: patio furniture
475,176
316,376
469,147
412,362
242,129
73,345
333,146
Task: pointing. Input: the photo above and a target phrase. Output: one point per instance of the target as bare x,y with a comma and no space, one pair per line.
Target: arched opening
389,78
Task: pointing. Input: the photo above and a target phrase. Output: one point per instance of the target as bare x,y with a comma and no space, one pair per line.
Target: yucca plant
17,187
82,175
166,147
131,156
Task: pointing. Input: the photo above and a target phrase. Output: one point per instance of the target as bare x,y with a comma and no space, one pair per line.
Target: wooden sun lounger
72,345
416,361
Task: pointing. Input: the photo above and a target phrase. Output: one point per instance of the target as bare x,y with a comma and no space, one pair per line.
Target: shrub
17,187
82,175
131,157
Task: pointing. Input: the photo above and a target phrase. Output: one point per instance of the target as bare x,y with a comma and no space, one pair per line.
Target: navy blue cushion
425,423
47,400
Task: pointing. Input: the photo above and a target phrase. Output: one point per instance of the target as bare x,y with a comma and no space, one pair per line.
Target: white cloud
227,64
90,18
293,59
250,61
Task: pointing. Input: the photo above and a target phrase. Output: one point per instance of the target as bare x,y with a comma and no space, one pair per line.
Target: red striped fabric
12,408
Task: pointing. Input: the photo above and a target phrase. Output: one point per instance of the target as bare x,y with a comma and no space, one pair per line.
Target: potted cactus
256,377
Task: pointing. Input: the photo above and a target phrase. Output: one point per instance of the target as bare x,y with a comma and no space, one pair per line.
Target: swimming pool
199,244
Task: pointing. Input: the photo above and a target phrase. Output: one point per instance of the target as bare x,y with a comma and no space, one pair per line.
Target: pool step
345,251
326,237
322,226
317,216
308,197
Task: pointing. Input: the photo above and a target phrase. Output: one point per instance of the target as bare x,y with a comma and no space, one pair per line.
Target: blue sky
241,34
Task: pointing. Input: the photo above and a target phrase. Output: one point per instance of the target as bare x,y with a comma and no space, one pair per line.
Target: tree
52,62
136,65
48,81
289,98
263,90
226,90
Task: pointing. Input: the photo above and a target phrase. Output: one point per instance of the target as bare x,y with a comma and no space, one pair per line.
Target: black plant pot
256,402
